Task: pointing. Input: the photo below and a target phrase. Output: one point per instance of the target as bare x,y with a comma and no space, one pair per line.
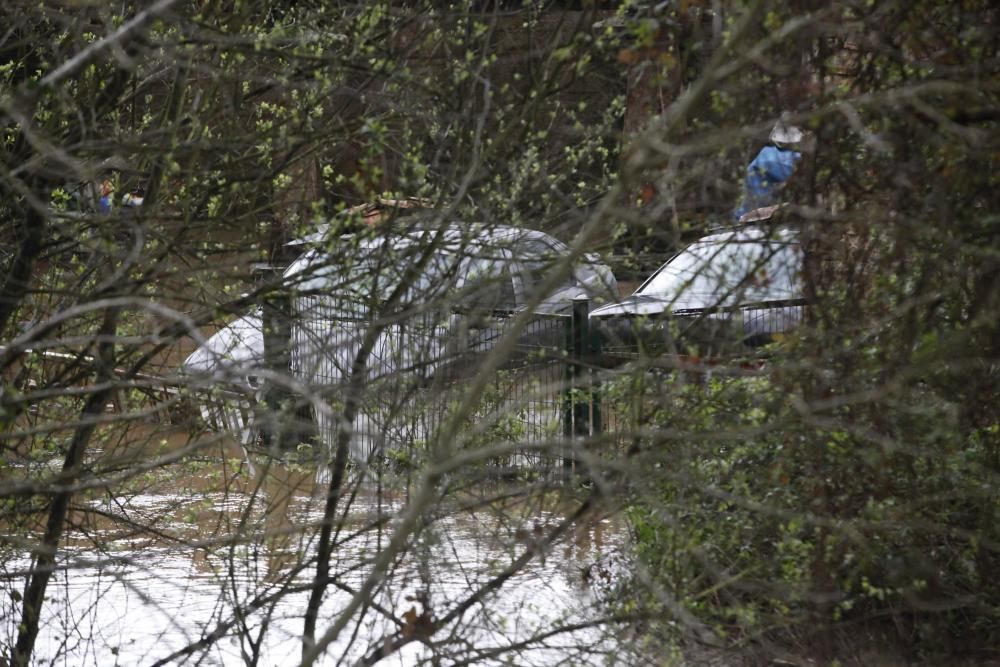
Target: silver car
434,299
726,291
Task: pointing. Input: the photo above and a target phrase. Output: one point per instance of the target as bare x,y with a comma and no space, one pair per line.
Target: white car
436,298
731,289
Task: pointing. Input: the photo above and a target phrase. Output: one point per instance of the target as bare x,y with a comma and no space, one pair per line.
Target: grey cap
786,134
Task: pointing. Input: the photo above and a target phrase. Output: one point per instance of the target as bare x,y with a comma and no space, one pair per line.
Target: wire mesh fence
557,386
721,332
403,380
414,376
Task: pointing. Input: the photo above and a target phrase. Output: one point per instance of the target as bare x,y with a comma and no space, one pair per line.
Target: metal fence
417,368
541,401
722,332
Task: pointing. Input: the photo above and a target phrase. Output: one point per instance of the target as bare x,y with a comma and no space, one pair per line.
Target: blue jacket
765,176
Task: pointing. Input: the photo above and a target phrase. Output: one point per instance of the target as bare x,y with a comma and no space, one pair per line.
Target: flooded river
212,567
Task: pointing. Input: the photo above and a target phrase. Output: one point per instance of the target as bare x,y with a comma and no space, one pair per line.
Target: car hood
240,343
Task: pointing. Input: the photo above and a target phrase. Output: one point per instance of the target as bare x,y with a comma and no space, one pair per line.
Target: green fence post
275,315
594,385
576,412
285,419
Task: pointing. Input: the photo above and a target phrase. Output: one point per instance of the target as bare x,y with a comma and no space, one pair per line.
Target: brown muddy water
158,566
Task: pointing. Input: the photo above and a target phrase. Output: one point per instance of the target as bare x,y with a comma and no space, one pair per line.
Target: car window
729,271
348,287
536,256
488,285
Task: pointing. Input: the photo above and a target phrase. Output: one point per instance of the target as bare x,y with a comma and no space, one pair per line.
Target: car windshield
728,270
348,287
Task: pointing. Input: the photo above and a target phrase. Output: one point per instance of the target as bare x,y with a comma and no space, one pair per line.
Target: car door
485,297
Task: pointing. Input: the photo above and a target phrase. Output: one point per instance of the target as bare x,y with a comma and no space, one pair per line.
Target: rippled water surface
243,542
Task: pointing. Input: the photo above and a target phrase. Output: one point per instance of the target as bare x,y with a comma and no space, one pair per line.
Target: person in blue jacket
106,201
767,173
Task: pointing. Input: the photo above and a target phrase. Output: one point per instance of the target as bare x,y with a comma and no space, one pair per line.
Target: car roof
468,236
472,233
749,233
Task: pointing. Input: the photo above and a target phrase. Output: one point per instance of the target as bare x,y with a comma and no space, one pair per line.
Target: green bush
767,521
